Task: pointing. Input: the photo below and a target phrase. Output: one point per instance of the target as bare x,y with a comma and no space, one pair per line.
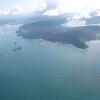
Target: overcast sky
6,4
64,5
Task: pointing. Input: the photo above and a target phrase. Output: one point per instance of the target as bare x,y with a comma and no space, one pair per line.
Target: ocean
42,70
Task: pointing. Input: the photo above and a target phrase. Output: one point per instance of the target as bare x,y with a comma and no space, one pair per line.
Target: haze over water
43,70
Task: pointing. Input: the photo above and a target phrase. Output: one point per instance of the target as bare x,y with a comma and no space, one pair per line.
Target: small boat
17,49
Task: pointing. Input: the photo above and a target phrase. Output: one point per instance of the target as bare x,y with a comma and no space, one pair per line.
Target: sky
52,6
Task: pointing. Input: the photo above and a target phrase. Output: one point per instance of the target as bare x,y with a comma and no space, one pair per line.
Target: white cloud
98,13
16,9
3,12
52,4
75,23
81,15
42,6
52,12
79,5
81,8
13,10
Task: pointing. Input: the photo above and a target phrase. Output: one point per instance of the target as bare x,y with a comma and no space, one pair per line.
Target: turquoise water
47,71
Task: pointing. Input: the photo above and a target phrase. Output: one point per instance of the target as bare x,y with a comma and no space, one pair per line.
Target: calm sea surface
47,71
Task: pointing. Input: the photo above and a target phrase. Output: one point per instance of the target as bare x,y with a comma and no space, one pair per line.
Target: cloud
53,12
3,12
52,4
98,13
81,8
81,15
18,8
15,9
75,23
80,5
42,6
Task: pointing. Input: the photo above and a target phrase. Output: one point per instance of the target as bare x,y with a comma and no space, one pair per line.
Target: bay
42,70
